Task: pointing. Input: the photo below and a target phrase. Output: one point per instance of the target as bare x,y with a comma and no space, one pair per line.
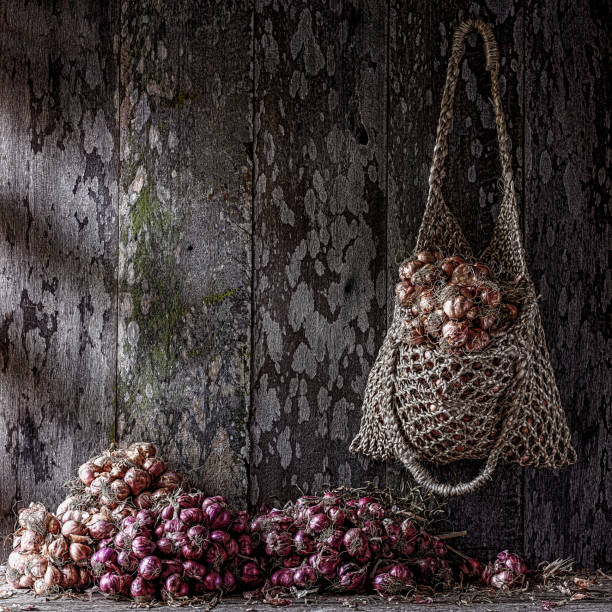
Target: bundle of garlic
47,555
52,552
453,304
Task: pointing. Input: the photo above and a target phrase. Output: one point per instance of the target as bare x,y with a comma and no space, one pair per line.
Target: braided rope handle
424,477
435,200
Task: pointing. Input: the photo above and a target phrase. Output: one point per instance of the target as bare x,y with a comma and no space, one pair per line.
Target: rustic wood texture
598,600
567,195
420,41
185,214
58,245
202,208
319,238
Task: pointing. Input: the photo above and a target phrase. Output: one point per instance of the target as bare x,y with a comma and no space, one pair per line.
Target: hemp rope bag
423,404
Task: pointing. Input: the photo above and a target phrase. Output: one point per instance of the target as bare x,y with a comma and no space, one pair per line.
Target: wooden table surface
599,598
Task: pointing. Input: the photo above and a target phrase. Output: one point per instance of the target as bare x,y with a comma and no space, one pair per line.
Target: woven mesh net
422,403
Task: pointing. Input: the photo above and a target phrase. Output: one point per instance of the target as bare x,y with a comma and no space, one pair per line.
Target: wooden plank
319,232
184,236
420,42
477,600
567,144
58,243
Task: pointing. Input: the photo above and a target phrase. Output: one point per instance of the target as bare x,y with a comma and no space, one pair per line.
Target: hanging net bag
464,372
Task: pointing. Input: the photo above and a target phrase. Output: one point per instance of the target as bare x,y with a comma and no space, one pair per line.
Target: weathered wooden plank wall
319,234
567,113
58,244
151,235
185,246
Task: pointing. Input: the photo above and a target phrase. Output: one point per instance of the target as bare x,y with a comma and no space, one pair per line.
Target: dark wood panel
58,245
568,180
320,248
185,246
420,43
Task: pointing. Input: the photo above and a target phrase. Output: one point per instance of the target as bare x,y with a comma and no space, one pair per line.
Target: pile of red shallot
132,531
354,544
455,304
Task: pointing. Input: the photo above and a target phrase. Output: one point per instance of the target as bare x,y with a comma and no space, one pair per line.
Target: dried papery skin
477,339
36,566
31,541
428,256
88,473
457,307
53,576
412,333
120,490
455,332
79,553
137,480
427,276
427,302
25,582
72,527
490,295
405,293
465,275
408,268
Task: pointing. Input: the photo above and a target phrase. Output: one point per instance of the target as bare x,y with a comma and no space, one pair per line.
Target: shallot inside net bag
464,372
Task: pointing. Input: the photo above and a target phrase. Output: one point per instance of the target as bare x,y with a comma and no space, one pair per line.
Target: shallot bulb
503,579
246,545
408,268
352,578
318,523
150,567
87,473
213,581
405,293
229,582
142,546
110,583
512,561
477,339
79,553
304,576
251,574
137,480
490,295
465,275
413,333
428,256
427,302
279,543
195,570
52,576
455,332
141,589
355,542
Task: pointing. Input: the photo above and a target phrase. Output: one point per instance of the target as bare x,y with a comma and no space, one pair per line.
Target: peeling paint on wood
58,245
568,184
319,233
185,213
